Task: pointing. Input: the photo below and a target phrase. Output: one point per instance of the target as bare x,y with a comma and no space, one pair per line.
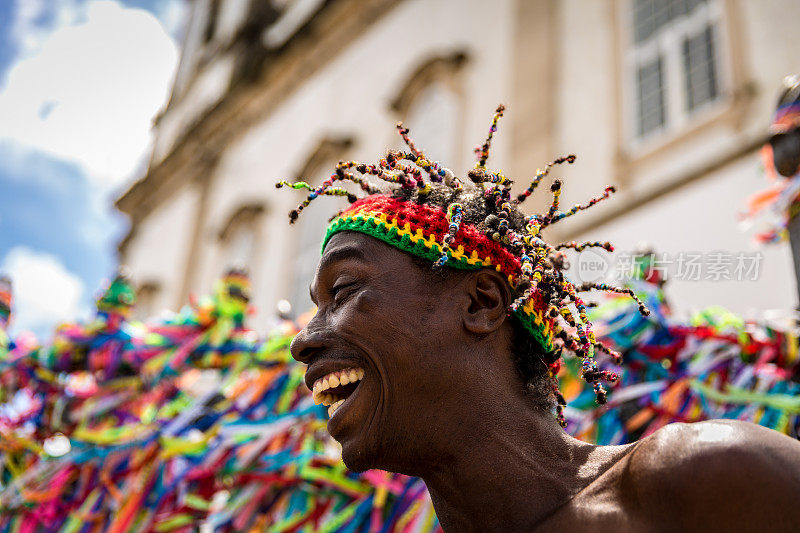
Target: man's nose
307,344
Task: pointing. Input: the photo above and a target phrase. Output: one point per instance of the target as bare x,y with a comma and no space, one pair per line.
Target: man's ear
489,298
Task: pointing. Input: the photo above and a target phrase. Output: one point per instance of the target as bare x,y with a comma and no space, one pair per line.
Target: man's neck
513,472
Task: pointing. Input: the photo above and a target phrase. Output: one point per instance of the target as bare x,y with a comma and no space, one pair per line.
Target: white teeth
335,379
332,409
332,381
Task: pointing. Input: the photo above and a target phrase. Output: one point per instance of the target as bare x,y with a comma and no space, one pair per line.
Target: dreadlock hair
547,313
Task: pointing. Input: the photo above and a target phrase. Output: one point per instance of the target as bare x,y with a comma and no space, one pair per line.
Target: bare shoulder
720,473
725,448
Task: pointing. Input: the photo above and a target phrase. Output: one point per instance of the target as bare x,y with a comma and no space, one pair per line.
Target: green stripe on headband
391,235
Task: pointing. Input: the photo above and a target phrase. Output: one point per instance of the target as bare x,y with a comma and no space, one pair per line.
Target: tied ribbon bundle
191,422
715,366
202,425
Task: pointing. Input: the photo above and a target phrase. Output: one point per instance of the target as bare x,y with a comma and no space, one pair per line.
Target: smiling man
442,315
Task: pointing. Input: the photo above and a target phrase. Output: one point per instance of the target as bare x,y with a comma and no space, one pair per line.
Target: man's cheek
365,305
361,314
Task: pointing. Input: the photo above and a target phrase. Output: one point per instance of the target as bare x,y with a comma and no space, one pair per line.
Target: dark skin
442,400
786,152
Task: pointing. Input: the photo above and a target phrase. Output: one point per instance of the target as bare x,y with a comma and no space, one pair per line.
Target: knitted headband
419,229
506,240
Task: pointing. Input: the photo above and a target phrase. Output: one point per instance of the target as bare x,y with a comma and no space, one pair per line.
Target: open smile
334,388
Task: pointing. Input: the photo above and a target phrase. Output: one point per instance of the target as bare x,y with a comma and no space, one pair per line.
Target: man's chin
359,457
355,458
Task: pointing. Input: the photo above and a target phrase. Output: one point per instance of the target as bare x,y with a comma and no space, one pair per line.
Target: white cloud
28,31
90,91
45,292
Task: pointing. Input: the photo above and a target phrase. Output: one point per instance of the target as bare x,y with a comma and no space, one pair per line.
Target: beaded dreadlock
482,215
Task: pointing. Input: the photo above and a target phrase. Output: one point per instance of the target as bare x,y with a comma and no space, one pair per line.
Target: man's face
381,316
786,152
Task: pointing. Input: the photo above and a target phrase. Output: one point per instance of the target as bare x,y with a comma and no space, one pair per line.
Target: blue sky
80,81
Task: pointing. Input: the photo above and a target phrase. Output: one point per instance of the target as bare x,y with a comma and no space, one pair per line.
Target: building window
239,237
311,228
313,222
650,97
430,104
432,119
651,15
146,300
673,62
700,68
239,249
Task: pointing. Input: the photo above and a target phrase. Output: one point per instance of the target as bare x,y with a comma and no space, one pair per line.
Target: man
448,373
782,157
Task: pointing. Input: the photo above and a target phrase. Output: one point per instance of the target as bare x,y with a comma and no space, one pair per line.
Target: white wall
704,217
158,251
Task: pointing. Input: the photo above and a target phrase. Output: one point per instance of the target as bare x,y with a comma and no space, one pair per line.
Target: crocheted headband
419,229
498,236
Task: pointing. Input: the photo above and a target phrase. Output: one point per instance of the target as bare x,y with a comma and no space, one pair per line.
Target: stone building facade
667,99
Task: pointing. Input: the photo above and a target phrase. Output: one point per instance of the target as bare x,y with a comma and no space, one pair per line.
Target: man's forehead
352,245
348,245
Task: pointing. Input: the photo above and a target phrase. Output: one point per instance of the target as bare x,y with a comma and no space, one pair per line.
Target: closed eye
342,291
